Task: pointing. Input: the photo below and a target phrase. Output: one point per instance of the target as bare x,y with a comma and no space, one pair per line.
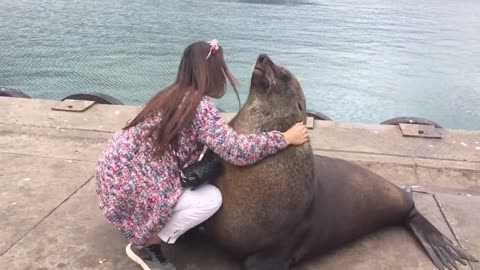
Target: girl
138,174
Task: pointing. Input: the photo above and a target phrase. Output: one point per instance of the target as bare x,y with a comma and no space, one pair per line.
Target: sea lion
294,205
242,225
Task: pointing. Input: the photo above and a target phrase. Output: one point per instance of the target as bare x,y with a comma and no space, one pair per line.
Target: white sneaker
149,258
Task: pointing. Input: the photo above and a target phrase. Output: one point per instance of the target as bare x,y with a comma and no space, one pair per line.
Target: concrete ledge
51,211
459,149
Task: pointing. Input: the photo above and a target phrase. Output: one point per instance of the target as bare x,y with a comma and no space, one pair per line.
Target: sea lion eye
284,76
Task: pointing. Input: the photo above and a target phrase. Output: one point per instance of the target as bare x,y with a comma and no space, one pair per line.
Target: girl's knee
212,197
217,198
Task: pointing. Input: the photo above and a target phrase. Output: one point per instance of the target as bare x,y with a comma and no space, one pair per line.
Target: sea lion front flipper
262,261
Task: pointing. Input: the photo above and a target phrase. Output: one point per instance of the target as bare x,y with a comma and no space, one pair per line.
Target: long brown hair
197,76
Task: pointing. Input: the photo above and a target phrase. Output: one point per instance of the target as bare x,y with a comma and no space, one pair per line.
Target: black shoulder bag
207,168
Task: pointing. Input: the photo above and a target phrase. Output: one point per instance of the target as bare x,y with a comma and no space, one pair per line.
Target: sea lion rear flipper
439,248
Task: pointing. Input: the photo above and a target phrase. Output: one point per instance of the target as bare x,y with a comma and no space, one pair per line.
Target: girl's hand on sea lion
297,134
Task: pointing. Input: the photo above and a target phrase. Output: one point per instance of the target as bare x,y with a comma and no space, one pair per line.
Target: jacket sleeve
235,148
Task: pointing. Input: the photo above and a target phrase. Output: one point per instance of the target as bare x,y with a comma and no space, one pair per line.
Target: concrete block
33,187
459,179
52,142
463,214
75,236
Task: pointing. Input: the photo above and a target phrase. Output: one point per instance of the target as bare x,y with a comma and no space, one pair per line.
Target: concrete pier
50,217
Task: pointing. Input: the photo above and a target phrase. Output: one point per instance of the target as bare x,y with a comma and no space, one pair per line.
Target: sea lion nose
262,58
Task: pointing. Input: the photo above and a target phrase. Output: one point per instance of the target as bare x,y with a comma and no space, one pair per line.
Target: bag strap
175,143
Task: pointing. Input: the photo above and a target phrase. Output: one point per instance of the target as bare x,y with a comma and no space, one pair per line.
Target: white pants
192,208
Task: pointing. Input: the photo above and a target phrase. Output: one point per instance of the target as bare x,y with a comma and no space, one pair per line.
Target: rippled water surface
362,61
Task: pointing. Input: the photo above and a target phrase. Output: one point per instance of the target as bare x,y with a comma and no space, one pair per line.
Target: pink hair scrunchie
213,47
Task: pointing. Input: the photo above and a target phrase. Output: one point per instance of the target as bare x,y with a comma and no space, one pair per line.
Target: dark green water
358,61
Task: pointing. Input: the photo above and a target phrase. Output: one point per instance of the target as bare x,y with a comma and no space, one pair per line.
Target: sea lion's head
276,99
